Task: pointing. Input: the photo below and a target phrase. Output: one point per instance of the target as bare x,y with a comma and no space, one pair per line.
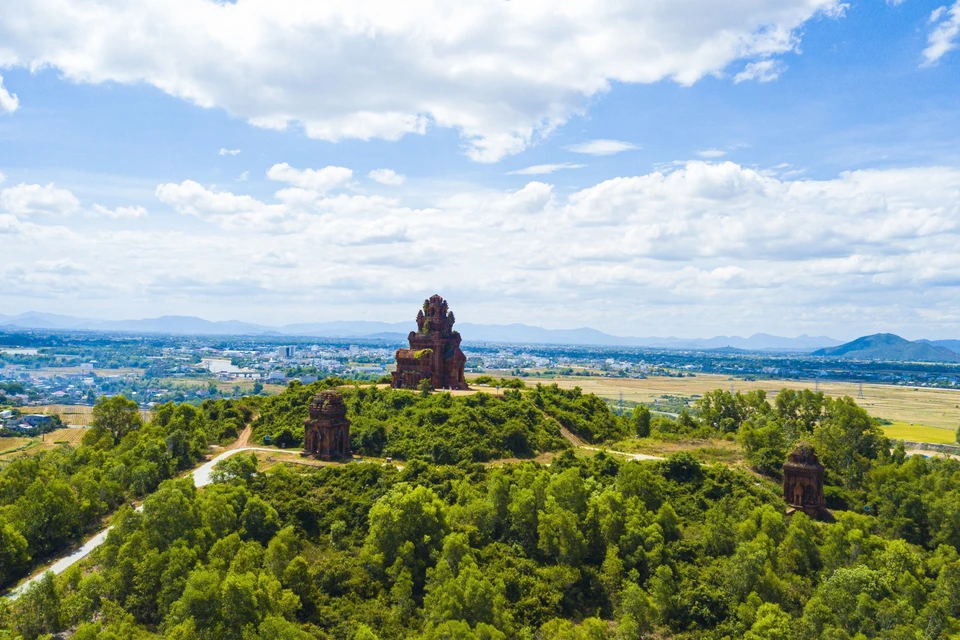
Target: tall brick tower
434,352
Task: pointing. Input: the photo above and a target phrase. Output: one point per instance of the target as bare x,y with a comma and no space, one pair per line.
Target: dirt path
243,439
574,440
632,456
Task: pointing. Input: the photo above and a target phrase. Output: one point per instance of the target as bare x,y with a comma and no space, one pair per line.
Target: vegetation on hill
583,548
48,500
436,427
887,346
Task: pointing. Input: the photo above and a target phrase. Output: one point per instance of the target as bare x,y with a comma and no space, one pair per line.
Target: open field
706,451
919,413
6,444
64,436
919,433
74,414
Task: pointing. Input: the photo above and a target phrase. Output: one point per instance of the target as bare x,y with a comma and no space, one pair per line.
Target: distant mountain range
887,346
397,331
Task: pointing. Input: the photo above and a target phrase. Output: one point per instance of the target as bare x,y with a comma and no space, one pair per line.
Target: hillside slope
887,346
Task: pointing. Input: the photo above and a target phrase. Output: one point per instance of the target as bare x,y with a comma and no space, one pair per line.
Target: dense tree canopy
437,427
48,500
588,547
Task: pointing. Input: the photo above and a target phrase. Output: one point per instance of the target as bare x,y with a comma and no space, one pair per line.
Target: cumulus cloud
500,73
222,207
229,152
702,248
602,147
945,35
318,180
387,176
38,200
8,101
3,177
761,71
130,213
543,169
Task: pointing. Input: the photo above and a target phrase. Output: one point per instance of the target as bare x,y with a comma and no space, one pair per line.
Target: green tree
641,420
116,416
407,525
847,440
13,552
236,467
37,611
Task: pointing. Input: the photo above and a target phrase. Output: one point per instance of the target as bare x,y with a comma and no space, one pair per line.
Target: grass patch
706,451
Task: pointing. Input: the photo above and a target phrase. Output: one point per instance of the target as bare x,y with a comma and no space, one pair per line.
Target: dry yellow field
6,444
68,436
70,413
75,414
920,407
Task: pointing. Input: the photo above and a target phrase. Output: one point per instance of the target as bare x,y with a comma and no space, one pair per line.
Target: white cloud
8,101
761,71
711,153
243,176
38,200
222,207
387,176
502,74
281,259
3,177
229,152
703,248
543,169
602,147
945,36
132,213
319,180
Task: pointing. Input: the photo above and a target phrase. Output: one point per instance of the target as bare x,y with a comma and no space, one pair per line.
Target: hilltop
888,346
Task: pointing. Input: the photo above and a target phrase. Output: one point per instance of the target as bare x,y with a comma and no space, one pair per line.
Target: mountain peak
889,346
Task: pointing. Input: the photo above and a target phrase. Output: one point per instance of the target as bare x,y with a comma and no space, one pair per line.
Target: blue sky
784,166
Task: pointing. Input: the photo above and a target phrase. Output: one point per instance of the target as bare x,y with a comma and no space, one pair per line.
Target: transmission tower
816,385
860,392
620,406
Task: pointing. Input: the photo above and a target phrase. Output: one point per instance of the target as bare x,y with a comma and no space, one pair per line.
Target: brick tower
326,434
803,482
434,352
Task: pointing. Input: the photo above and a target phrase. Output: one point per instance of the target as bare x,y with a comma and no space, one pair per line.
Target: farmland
917,413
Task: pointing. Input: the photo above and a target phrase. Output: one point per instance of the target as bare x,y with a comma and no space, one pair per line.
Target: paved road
202,476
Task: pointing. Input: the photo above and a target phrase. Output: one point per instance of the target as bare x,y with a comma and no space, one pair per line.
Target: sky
688,168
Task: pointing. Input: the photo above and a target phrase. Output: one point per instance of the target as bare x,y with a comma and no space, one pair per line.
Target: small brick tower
326,434
803,482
